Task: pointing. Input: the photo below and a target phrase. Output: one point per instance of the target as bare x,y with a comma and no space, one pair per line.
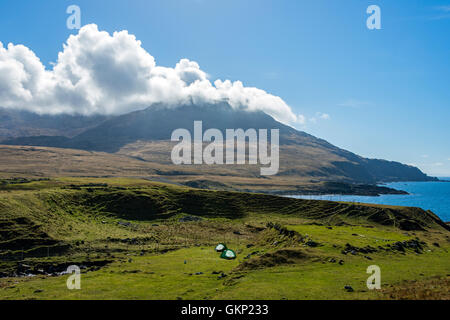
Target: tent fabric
221,247
228,254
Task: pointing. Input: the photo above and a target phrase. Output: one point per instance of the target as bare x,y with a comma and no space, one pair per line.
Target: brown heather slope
149,160
144,135
18,161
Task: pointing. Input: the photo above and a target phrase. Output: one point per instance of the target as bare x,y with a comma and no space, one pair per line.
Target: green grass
155,280
359,236
84,214
319,280
167,277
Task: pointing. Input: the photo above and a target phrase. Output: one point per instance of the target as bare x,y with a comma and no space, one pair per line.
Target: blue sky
386,92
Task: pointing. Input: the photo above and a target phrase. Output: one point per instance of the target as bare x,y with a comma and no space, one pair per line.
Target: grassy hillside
137,239
152,161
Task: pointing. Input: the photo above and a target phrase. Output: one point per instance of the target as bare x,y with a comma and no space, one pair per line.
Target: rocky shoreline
340,188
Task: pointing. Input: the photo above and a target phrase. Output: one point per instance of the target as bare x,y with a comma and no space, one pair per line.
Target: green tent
228,254
221,247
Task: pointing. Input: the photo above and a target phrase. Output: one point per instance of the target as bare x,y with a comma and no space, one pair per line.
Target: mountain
17,123
145,135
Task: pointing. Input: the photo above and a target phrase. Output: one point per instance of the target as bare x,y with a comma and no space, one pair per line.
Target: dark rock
354,250
251,254
414,244
312,243
283,231
348,288
398,246
131,271
24,266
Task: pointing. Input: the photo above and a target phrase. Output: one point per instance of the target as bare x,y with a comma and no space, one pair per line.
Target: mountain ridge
301,154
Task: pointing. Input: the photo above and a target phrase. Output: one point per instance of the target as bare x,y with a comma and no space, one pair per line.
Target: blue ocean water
434,196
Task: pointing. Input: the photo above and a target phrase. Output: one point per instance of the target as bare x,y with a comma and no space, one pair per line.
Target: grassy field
131,240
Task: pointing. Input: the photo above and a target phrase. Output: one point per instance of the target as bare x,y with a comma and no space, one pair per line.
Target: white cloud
319,116
112,74
425,156
301,119
324,116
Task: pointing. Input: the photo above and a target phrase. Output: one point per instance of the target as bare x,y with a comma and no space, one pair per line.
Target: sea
434,196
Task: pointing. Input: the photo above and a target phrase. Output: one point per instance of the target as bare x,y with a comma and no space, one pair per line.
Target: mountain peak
301,155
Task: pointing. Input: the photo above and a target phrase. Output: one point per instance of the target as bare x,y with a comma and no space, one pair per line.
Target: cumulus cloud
301,119
324,116
99,73
319,116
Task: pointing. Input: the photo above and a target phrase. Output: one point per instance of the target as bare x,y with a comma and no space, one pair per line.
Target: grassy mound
21,235
272,259
153,240
162,202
